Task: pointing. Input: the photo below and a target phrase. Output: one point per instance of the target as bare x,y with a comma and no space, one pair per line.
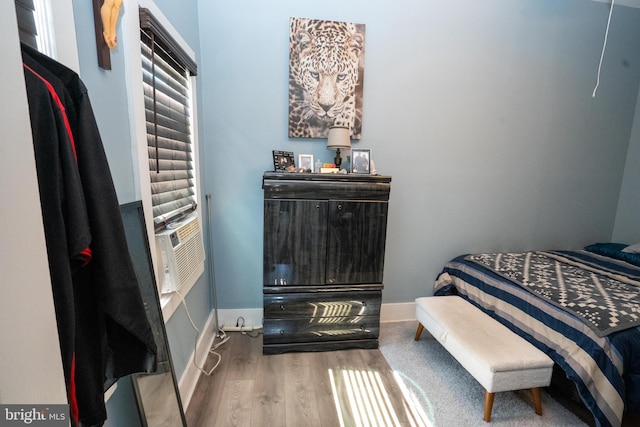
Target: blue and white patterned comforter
579,308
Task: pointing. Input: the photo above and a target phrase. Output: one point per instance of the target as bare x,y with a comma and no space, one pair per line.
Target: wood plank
363,380
269,392
243,356
322,363
205,400
235,404
404,406
300,398
298,389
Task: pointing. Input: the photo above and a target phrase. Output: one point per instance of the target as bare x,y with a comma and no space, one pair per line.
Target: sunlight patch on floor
362,399
414,409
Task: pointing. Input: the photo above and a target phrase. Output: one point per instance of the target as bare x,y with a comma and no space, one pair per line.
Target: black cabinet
324,243
295,242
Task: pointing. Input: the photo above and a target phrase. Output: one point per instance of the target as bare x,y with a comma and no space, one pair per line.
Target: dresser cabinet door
295,242
357,232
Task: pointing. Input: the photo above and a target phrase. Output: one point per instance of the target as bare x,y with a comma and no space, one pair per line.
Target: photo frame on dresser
305,161
283,161
361,160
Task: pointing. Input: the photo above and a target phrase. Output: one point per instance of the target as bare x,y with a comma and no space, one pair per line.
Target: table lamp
339,138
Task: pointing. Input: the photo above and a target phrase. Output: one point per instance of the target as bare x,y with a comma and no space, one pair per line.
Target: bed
580,307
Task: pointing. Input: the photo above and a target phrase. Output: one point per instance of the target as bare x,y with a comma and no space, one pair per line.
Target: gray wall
627,227
480,111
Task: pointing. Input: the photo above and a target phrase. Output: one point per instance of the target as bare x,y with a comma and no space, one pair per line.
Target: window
44,23
166,72
25,12
35,25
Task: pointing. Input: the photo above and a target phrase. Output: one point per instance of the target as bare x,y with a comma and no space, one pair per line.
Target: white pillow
635,249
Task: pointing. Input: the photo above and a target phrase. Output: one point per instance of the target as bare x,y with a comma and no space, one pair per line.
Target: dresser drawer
278,331
312,305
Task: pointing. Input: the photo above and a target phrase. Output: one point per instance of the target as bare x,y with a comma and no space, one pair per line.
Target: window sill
171,301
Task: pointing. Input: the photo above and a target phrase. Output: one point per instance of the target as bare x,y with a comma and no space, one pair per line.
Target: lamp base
337,160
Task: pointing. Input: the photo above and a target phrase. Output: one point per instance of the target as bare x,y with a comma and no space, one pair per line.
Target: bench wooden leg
419,331
537,400
488,405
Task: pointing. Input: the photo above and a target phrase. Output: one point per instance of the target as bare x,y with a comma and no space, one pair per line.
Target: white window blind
167,96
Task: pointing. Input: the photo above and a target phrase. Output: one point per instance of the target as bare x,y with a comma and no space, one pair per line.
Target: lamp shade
339,138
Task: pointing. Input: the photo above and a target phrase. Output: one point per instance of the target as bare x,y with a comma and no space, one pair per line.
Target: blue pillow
614,250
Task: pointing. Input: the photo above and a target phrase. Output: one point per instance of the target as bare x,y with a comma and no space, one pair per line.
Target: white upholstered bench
497,358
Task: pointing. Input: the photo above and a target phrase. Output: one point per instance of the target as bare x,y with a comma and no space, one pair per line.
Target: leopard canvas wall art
326,73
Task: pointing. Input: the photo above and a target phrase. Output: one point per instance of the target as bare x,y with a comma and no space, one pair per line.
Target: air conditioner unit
181,251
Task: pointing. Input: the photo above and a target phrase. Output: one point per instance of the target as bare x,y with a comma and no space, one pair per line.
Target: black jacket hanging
104,331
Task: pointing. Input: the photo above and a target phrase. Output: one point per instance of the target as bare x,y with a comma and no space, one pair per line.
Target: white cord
223,336
604,46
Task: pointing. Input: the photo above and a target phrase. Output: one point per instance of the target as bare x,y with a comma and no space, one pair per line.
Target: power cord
223,336
258,333
604,46
241,325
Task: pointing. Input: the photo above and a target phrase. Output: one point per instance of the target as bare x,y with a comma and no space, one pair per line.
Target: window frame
166,94
130,26
62,44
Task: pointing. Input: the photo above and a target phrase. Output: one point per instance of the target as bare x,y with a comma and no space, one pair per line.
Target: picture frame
305,161
361,160
307,118
283,161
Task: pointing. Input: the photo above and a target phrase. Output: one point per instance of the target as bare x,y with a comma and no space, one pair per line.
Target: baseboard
236,317
191,374
398,312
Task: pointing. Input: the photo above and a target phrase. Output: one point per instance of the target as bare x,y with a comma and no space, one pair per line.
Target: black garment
61,191
111,336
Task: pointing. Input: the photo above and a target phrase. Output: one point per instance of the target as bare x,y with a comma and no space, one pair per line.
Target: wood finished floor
296,389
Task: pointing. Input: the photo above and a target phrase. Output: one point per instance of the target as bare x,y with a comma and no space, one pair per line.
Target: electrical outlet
243,328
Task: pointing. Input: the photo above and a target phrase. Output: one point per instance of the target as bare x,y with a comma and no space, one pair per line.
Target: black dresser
323,260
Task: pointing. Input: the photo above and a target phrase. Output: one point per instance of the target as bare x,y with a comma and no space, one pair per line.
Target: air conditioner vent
189,229
182,253
190,253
